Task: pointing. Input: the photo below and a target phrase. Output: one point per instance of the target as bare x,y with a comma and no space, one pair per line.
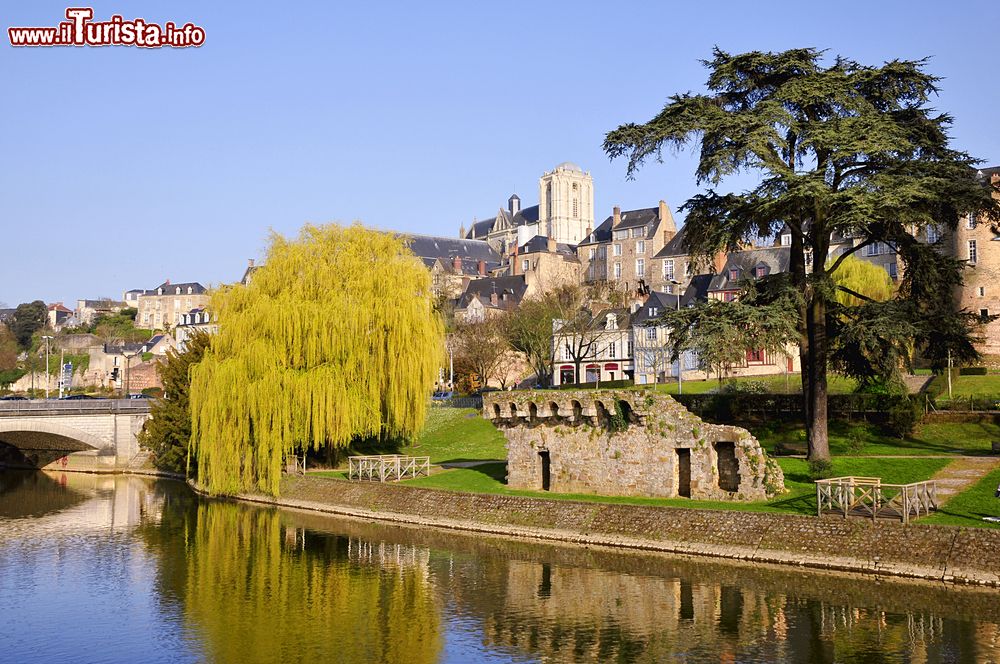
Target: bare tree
482,347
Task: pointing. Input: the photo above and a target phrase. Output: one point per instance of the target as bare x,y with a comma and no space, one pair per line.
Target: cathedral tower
566,203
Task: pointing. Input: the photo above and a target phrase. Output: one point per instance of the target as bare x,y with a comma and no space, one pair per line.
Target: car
442,396
139,396
76,397
13,397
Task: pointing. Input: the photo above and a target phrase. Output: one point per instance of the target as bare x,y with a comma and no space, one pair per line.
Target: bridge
96,435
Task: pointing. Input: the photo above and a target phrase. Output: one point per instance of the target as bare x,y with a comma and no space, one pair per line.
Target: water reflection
216,581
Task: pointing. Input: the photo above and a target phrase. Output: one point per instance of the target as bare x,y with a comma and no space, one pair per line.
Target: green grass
800,498
457,434
974,386
775,383
854,439
969,507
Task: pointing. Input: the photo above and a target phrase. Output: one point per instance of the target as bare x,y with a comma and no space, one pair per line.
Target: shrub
902,417
820,469
972,371
745,387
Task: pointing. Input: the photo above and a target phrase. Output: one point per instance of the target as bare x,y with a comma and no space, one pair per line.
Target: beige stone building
595,347
88,310
164,306
621,250
545,265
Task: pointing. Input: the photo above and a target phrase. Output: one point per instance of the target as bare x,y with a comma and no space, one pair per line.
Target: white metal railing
872,498
387,467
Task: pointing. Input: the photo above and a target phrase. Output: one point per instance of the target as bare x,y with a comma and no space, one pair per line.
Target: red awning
567,367
611,367
593,366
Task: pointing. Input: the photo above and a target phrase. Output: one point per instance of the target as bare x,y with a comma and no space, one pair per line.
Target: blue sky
122,167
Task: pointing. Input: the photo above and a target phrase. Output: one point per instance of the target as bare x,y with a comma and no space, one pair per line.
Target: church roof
481,229
510,291
429,248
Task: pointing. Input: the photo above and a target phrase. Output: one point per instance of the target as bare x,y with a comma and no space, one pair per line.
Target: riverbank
953,555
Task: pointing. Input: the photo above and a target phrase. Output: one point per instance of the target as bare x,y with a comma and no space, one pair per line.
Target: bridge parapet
74,407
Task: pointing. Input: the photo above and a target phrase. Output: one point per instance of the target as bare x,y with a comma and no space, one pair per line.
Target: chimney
667,219
616,217
493,298
552,245
168,282
250,262
719,262
482,268
456,263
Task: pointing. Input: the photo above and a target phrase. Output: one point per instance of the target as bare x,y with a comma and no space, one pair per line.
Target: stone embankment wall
626,443
943,553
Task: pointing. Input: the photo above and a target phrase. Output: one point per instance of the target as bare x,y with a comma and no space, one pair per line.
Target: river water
127,569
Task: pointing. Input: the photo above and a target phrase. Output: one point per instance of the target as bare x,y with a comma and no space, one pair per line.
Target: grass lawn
968,507
776,383
978,386
800,499
457,434
853,439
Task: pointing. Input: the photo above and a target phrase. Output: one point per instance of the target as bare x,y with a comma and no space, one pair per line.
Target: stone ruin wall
622,443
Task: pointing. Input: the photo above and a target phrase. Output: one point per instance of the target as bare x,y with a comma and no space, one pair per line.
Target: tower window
576,201
618,270
982,291
984,314
972,251
668,269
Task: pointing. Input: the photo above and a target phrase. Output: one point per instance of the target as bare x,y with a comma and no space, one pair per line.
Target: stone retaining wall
950,554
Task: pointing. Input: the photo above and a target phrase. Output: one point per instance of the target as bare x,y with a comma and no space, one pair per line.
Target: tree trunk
816,400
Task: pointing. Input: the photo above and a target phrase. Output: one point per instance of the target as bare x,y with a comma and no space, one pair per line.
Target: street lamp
128,365
47,338
680,356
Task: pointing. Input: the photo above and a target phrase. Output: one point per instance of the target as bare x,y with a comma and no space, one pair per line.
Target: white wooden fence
387,467
872,498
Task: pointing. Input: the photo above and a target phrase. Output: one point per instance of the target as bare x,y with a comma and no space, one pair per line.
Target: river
128,569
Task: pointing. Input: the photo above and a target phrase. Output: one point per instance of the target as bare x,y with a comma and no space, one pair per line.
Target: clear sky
122,167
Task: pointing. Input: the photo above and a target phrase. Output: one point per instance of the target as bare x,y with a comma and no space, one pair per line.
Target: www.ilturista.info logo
80,30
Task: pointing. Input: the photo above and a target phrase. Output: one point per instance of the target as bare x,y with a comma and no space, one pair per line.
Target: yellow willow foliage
253,591
862,277
334,338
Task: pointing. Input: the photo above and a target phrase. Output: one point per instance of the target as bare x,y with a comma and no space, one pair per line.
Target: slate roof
503,219
697,290
675,247
630,219
774,260
96,304
430,247
513,287
662,302
6,314
540,244
170,288
991,171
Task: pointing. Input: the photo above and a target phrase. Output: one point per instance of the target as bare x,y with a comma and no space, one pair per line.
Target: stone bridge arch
39,443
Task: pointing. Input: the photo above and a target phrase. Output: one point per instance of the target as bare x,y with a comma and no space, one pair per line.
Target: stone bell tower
566,203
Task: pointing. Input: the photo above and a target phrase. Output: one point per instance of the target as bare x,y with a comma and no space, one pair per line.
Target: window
668,270
640,247
638,232
669,289
611,349
809,258
933,234
688,269
524,265
755,357
734,273
576,201
972,251
971,221
628,348
982,291
650,334
592,253
729,296
984,314
892,270
617,250
618,270
640,268
602,253
761,271
653,312
621,235
786,240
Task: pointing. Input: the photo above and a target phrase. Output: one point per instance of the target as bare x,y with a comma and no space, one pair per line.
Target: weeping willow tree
857,281
334,338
